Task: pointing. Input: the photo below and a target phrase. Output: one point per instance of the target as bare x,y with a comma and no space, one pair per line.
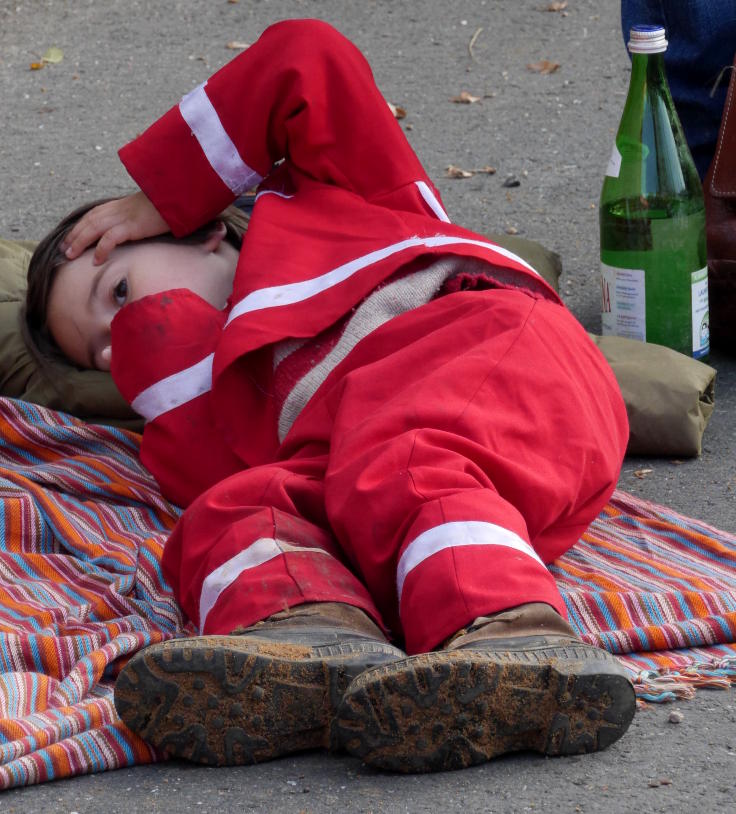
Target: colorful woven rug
659,590
82,527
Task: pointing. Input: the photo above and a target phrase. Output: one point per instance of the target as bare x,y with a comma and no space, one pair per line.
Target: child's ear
215,237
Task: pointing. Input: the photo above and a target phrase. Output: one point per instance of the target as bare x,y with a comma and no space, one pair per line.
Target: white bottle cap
647,39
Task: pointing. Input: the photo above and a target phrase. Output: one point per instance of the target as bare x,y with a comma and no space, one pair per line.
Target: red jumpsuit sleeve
302,93
163,346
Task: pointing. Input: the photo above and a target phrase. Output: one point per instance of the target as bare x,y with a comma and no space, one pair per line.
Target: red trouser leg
255,544
474,439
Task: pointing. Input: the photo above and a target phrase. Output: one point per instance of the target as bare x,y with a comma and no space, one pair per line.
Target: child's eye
120,292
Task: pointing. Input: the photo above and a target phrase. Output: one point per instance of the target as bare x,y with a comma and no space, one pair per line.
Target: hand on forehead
112,223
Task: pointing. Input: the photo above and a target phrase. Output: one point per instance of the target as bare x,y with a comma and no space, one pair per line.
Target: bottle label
614,162
701,317
623,304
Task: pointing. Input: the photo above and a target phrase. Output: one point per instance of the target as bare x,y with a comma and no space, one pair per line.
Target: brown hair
48,258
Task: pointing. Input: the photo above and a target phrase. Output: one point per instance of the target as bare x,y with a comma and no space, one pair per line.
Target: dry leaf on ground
557,6
642,473
458,172
52,56
465,98
543,66
236,45
398,112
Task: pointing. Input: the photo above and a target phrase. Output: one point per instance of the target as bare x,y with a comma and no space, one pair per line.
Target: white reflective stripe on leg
175,390
431,200
260,552
455,535
199,113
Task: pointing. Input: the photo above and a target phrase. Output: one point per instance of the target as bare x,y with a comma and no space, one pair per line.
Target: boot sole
231,701
453,709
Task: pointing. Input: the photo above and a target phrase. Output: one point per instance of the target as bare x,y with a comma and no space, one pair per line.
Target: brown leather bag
720,217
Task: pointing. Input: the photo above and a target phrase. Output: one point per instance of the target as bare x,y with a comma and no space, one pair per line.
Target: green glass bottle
654,274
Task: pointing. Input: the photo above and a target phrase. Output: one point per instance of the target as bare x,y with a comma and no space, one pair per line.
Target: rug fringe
671,684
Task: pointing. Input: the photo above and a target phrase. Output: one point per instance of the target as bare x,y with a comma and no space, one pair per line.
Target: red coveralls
422,464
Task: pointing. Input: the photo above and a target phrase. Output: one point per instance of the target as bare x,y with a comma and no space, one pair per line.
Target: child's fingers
77,241
130,218
87,231
120,233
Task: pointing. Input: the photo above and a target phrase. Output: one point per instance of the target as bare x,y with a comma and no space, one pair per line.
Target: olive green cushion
88,394
547,263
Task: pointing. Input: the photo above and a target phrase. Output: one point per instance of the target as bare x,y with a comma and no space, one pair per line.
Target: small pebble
662,781
676,717
511,181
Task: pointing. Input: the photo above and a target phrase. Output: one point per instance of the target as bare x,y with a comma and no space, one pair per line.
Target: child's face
84,298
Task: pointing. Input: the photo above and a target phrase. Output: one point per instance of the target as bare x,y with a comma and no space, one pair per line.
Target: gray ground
126,62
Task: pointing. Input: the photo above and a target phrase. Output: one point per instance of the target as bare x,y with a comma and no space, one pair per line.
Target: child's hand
110,224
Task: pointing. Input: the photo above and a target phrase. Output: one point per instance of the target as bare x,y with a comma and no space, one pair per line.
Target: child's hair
48,258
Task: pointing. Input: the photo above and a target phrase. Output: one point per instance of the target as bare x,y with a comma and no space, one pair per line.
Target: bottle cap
647,39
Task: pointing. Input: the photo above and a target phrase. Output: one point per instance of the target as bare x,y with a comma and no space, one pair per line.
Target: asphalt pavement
126,61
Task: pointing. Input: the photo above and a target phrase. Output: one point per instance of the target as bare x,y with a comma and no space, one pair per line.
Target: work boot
251,696
518,680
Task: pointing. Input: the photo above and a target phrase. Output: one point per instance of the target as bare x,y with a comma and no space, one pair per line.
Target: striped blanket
82,529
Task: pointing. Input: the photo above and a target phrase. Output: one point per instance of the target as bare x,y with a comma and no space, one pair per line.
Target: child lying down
381,425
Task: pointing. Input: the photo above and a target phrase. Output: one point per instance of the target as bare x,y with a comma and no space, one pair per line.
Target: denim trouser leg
702,41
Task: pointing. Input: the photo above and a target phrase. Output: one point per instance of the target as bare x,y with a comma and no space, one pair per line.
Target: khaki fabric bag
669,396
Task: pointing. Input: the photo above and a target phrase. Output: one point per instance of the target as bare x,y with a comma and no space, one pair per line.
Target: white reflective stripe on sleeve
288,294
199,113
431,200
174,390
455,535
260,552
